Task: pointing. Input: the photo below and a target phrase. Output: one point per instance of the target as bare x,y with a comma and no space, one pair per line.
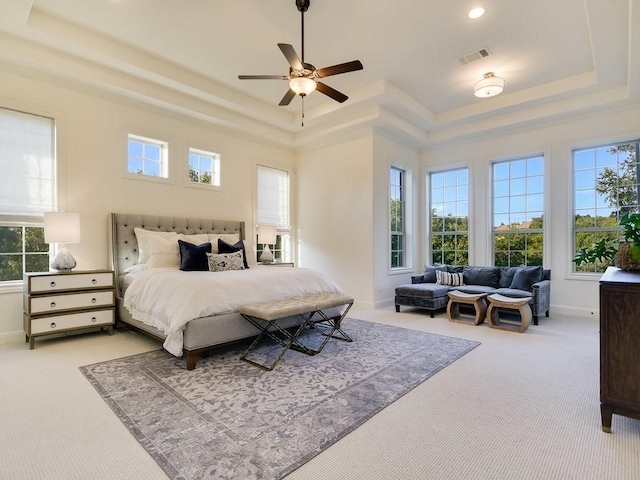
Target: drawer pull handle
93,319
53,284
94,281
53,304
93,300
53,325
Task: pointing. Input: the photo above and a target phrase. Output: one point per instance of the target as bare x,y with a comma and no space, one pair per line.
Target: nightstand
57,302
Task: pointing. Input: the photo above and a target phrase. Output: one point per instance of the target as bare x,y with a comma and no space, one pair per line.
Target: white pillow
230,238
196,239
250,253
163,252
142,235
451,279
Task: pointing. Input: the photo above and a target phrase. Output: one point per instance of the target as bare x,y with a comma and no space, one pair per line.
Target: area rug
229,419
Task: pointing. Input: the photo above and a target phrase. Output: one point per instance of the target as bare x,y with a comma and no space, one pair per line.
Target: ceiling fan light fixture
475,13
302,85
489,86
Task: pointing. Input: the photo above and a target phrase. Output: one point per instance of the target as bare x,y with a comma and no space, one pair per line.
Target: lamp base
63,261
266,256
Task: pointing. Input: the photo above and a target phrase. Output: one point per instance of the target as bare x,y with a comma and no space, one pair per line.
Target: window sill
401,271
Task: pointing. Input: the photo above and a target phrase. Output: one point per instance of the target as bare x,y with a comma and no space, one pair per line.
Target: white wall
335,216
343,221
92,135
569,292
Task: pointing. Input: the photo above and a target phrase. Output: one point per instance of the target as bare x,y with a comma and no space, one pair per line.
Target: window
606,186
27,190
449,207
147,157
204,167
273,209
518,205
397,217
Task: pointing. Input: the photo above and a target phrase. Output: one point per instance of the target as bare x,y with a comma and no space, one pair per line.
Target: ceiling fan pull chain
302,118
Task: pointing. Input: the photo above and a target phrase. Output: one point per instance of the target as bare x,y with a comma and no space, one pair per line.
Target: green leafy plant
604,250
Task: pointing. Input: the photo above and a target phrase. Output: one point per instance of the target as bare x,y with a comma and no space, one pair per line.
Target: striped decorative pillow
451,279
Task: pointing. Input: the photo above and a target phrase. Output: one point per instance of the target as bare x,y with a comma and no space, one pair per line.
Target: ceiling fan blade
292,56
286,100
331,92
263,77
341,68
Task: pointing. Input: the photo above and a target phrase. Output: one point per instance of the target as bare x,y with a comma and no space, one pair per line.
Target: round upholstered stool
476,299
520,304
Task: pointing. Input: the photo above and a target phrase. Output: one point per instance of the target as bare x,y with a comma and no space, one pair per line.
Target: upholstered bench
265,317
325,325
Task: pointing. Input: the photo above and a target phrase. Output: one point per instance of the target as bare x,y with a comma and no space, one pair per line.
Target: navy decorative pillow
487,276
224,247
193,258
506,276
525,277
430,273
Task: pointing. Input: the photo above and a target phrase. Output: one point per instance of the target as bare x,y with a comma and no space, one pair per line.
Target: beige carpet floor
520,406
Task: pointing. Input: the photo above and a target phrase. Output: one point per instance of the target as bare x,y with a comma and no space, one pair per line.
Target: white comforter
167,298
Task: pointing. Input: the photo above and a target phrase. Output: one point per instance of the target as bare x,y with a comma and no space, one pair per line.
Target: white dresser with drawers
66,301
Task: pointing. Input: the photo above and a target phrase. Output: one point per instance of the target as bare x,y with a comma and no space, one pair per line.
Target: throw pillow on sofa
430,273
487,276
450,279
525,277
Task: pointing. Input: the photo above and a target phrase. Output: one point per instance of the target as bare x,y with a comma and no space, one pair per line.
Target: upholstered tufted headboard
123,245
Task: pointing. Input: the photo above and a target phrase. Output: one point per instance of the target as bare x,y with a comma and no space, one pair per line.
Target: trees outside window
606,186
147,157
518,211
397,217
449,218
27,190
204,167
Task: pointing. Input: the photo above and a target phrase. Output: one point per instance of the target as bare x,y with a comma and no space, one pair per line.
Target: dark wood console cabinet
619,345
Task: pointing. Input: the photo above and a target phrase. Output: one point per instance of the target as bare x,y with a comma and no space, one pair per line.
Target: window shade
27,163
273,197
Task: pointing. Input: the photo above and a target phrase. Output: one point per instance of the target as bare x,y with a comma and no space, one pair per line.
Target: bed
172,316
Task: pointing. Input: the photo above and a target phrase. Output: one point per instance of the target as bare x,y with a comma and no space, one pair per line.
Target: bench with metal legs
328,326
266,315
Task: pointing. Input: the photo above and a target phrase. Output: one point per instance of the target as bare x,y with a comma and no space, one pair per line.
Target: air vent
475,55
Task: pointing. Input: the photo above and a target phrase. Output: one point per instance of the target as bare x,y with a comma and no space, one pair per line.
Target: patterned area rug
228,419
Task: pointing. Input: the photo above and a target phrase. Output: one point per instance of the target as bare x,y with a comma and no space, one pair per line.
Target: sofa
428,291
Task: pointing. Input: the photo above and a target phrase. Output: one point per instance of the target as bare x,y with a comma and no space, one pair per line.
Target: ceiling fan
303,76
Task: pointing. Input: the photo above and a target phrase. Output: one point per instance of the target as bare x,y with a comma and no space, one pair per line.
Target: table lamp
62,228
266,236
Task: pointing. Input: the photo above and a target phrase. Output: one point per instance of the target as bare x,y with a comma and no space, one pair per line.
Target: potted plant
626,255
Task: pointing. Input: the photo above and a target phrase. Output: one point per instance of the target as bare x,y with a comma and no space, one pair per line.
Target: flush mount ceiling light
489,86
476,12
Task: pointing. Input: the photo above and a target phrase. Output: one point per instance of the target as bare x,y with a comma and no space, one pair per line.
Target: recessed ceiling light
476,12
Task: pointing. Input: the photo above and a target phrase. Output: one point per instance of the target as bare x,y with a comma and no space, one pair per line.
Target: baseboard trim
574,311
12,337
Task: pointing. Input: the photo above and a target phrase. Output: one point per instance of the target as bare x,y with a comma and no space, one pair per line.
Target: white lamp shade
61,227
267,234
489,86
302,85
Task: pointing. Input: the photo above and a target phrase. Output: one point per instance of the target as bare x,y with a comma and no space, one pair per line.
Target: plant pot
624,258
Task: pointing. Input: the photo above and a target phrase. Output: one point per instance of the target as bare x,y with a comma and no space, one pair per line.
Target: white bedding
167,298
